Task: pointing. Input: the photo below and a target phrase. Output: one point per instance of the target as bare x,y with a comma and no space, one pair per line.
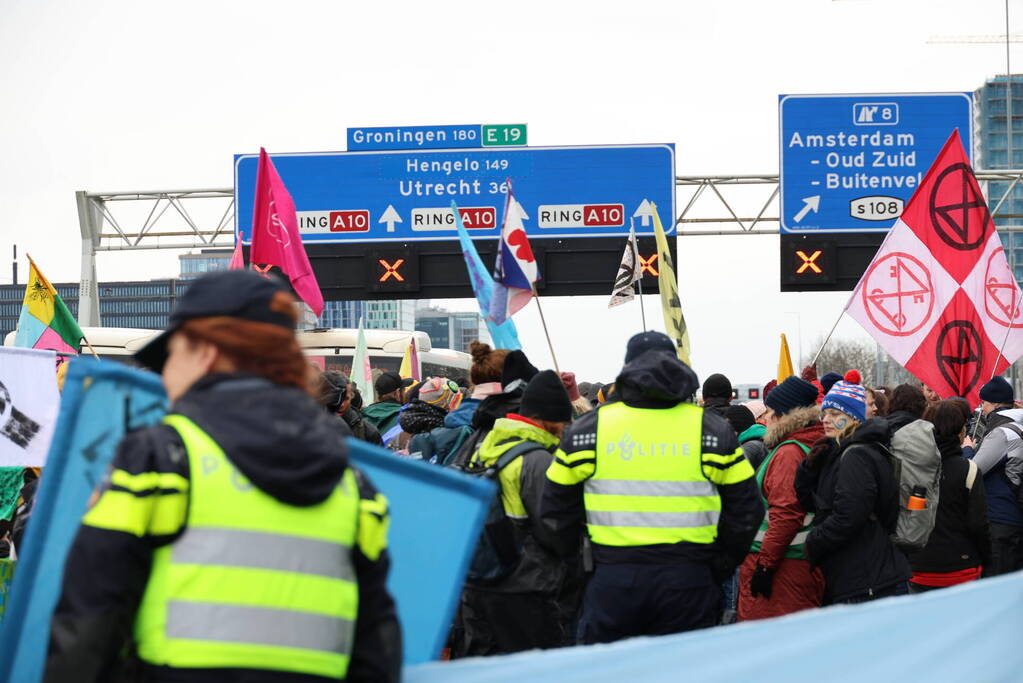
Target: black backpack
498,550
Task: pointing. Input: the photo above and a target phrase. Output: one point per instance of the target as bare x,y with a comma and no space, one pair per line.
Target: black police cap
234,293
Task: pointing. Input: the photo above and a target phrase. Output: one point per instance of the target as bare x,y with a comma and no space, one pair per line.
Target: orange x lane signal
647,265
391,270
809,262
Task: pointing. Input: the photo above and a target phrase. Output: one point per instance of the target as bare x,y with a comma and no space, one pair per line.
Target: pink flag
275,237
237,260
939,295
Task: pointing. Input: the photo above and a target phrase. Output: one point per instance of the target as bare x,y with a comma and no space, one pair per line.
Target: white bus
331,349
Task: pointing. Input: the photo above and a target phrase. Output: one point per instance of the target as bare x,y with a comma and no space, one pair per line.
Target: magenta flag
275,237
237,259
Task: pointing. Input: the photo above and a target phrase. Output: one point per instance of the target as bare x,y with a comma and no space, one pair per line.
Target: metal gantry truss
177,219
748,204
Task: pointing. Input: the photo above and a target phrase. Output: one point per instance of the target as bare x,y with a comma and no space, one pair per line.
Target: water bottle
917,499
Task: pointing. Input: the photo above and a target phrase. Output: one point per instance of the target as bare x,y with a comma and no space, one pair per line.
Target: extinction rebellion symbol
1001,297
960,355
963,222
898,294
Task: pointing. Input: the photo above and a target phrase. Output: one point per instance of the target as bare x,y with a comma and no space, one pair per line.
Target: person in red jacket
776,578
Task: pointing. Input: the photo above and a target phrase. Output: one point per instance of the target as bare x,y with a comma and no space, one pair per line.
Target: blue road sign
849,163
344,197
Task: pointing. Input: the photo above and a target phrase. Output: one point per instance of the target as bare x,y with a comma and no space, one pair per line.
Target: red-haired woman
233,541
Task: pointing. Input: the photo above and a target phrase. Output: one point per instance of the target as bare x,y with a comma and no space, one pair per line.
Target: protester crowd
649,505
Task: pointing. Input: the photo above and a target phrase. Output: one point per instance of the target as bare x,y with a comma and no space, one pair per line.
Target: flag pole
813,363
634,244
642,308
545,332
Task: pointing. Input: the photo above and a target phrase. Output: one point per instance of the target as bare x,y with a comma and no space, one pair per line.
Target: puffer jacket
852,489
785,515
540,570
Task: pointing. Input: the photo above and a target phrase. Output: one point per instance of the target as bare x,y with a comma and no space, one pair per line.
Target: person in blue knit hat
848,484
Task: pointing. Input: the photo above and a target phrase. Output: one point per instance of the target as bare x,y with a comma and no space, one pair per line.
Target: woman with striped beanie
848,483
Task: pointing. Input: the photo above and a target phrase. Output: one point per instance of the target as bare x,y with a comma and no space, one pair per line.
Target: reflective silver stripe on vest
218,622
668,520
261,550
633,487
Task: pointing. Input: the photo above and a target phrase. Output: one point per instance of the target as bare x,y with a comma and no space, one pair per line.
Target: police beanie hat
647,341
545,398
828,381
998,390
717,386
793,393
517,367
848,398
740,417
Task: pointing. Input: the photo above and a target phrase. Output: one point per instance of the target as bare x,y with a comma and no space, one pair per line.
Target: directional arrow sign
809,204
406,195
390,217
864,155
645,212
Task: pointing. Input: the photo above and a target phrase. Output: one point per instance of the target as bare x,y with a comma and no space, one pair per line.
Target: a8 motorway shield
402,196
849,163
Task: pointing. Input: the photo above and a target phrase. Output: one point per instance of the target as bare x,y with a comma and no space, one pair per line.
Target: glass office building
144,305
996,149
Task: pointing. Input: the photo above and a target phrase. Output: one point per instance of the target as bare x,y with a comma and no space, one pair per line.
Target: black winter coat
961,538
853,491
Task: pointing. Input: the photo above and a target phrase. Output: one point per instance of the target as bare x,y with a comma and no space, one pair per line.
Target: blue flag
504,336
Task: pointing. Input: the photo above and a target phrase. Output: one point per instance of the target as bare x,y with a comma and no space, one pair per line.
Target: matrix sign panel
849,163
826,262
436,270
403,196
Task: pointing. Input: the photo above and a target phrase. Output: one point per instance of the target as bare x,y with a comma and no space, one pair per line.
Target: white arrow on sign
390,217
645,212
809,204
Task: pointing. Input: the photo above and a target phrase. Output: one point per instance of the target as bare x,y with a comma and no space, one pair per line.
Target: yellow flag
784,361
671,305
410,362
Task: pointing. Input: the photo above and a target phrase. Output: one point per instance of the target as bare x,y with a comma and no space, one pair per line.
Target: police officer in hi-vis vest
667,497
234,541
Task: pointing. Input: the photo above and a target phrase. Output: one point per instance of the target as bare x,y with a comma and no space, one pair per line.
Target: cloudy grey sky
119,95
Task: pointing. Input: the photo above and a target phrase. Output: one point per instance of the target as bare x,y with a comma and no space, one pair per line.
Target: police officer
231,542
668,500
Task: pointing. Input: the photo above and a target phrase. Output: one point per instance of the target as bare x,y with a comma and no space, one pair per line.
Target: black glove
761,582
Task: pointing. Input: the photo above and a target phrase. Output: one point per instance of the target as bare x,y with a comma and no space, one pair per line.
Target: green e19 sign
503,135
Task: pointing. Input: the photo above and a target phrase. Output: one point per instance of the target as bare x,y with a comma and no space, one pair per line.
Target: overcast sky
105,95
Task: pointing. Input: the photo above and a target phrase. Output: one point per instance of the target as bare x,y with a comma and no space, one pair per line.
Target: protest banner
28,405
103,400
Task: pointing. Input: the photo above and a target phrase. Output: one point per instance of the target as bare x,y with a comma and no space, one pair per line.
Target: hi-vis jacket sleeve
561,505
741,508
377,651
140,506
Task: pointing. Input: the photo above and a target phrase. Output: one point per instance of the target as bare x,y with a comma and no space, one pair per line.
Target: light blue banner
968,633
436,517
102,400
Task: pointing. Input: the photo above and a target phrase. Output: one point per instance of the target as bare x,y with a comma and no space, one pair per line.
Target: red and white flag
939,295
275,237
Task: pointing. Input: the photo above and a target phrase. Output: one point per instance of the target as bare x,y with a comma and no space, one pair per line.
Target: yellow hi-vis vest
252,582
648,486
